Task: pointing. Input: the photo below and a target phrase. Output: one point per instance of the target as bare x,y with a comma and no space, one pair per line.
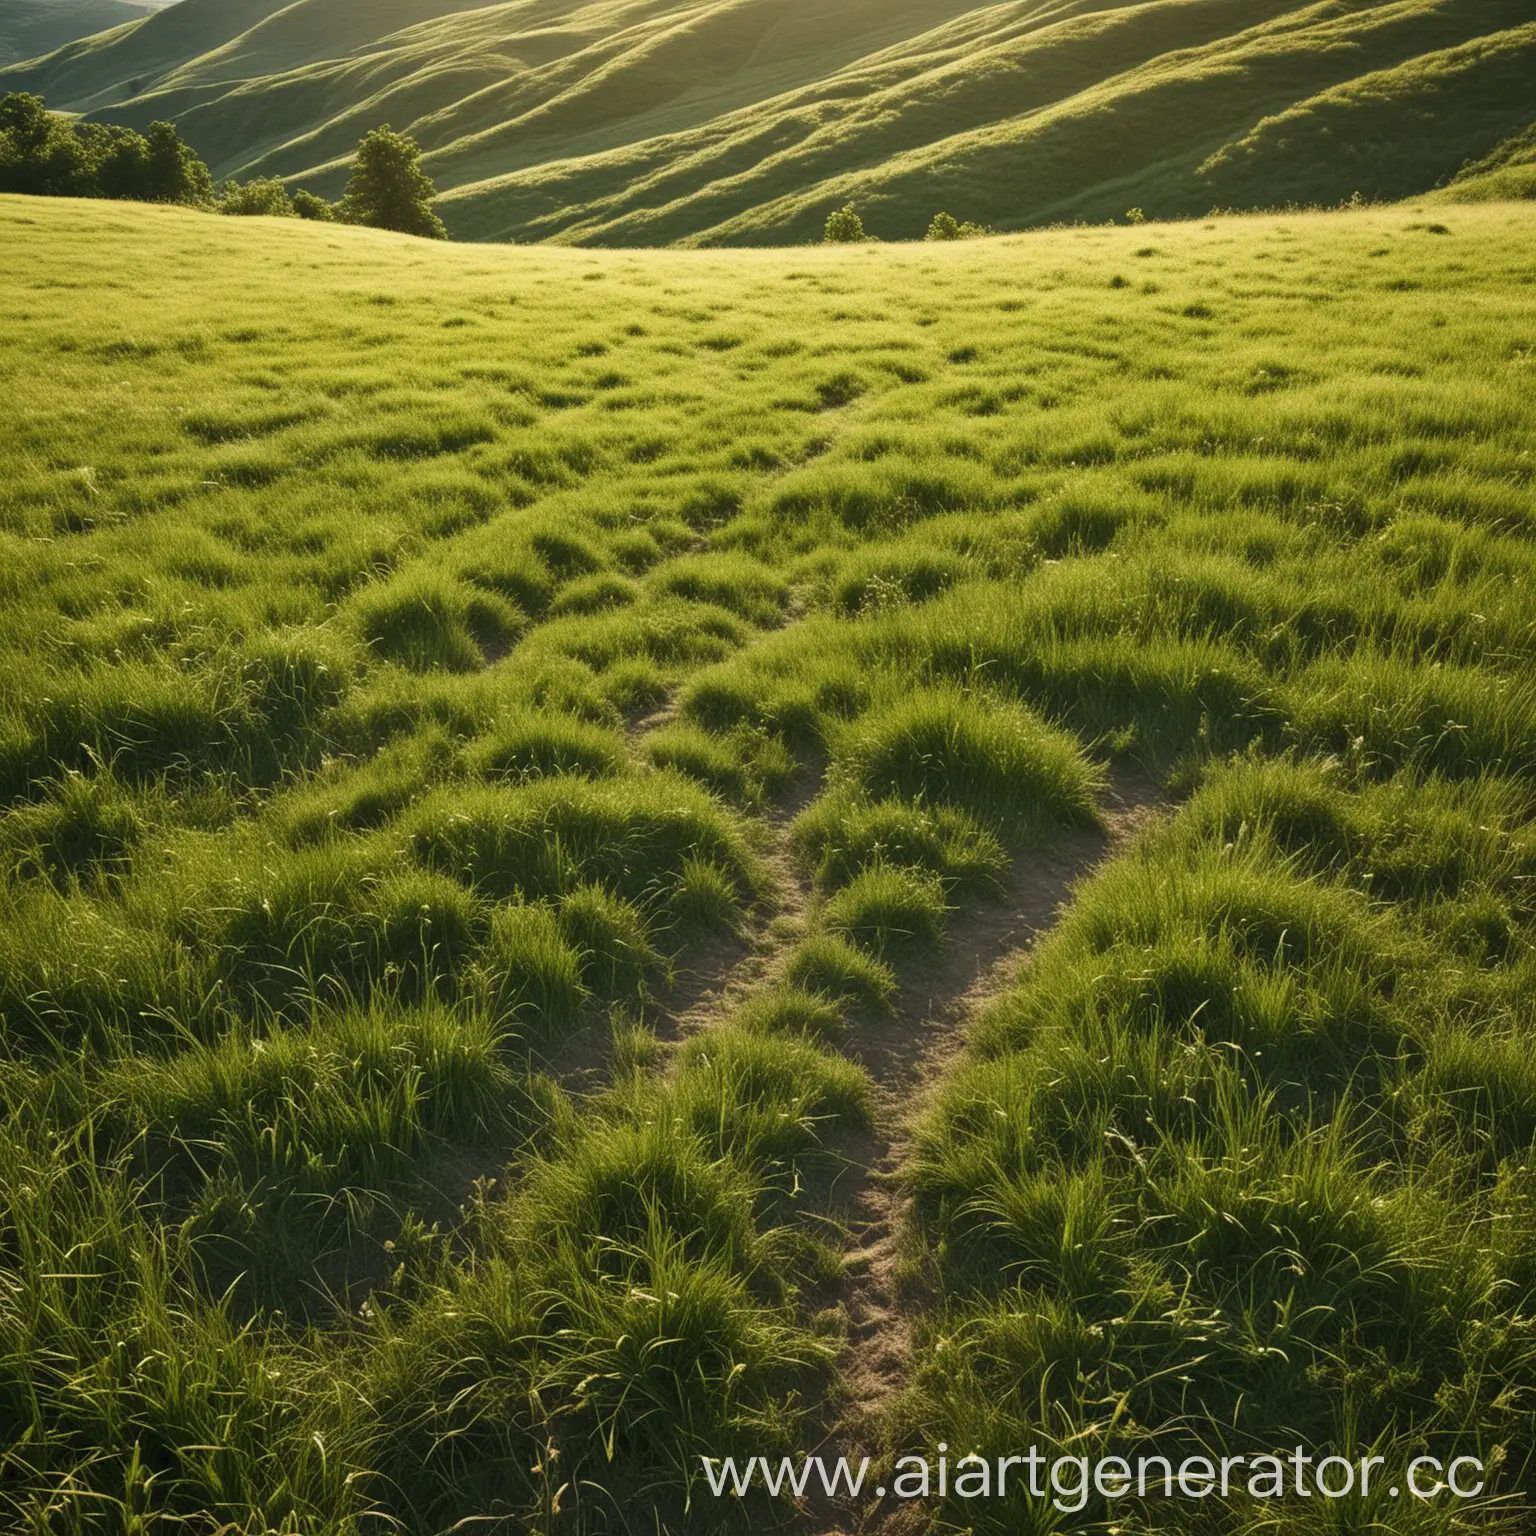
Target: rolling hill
32,28
744,121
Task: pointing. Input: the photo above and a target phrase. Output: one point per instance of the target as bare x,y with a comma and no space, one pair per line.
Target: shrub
945,226
307,206
844,226
267,197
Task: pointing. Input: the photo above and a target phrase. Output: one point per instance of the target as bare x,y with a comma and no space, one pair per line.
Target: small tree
172,172
1135,216
844,226
389,189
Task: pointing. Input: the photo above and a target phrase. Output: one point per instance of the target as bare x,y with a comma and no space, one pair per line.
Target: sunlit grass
422,670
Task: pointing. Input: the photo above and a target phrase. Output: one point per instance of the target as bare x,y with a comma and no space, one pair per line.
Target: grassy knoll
631,122
426,671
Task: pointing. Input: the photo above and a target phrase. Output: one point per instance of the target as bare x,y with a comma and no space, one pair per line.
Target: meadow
615,856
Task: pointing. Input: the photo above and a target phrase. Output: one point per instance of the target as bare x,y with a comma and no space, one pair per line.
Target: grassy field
744,122
533,777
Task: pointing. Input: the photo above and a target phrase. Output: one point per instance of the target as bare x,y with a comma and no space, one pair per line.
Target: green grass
631,124
33,28
1243,1145
421,671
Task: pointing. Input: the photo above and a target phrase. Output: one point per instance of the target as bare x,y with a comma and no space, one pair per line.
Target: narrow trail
730,969
905,1053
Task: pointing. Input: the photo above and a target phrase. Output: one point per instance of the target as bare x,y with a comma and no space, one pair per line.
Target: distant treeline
45,155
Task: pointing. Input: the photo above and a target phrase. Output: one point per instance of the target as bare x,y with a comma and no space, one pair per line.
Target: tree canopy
389,189
47,155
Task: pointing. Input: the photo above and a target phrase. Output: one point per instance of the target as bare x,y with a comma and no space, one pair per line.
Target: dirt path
905,1054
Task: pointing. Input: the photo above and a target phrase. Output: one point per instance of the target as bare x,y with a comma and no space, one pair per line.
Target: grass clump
765,1097
745,765
839,836
990,758
612,937
886,909
529,976
787,1010
643,838
528,744
827,966
425,621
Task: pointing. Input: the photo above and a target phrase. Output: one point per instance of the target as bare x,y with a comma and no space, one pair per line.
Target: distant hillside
31,28
1508,172
745,121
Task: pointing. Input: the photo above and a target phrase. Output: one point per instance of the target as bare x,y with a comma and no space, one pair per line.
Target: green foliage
307,206
844,226
388,188
45,155
267,197
945,226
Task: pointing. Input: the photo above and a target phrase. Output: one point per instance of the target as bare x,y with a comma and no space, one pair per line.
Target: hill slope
31,28
654,121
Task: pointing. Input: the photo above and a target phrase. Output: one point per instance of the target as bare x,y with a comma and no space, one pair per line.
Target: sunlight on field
503,746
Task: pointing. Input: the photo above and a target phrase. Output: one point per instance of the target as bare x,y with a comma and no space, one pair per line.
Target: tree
39,155
844,226
172,172
389,189
51,156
